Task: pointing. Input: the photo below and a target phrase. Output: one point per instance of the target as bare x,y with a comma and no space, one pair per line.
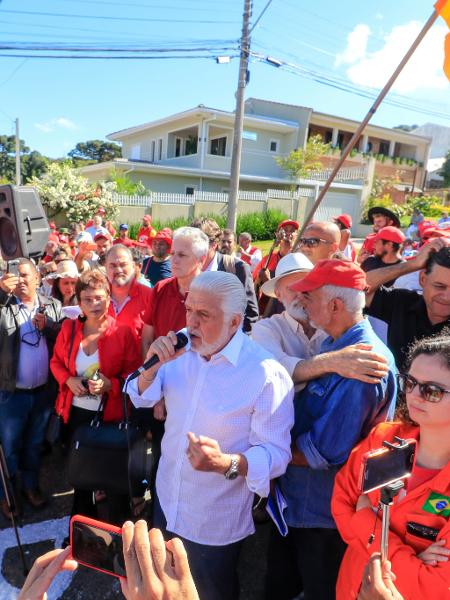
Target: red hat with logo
103,236
342,273
165,235
100,211
345,219
288,222
390,234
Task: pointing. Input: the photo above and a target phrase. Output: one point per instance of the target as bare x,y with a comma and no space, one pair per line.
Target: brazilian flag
437,504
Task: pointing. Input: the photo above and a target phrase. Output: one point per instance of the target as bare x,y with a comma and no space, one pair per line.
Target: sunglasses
312,242
428,391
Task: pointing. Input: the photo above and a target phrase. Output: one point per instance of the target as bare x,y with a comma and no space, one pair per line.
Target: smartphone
97,545
13,267
385,465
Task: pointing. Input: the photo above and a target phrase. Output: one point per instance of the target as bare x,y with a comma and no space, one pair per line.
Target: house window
249,135
218,146
178,146
160,146
190,190
152,151
191,145
273,146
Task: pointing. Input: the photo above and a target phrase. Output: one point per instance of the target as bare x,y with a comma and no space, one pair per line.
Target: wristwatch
233,470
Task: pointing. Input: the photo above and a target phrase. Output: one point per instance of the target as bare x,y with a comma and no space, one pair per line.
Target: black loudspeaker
24,227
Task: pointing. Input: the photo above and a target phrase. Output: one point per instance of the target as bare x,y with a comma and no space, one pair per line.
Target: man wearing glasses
29,323
320,241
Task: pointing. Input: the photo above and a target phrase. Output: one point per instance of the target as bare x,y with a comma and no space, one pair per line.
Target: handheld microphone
183,341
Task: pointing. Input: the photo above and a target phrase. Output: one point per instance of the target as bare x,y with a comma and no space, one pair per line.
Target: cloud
356,45
54,124
373,69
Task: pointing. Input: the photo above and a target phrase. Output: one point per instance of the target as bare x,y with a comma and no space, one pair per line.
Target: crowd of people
298,363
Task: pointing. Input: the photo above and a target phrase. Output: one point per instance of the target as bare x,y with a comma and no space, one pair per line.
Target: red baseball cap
165,235
434,232
147,218
102,236
390,234
345,219
101,211
288,222
342,273
52,225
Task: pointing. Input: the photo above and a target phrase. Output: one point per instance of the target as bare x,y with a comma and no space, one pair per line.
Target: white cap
84,236
294,262
66,268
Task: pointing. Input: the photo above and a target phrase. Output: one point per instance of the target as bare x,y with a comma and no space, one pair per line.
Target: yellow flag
443,8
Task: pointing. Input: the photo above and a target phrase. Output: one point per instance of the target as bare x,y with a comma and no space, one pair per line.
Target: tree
62,189
445,170
125,185
31,163
96,150
302,162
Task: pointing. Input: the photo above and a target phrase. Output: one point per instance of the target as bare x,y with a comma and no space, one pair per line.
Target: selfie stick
11,502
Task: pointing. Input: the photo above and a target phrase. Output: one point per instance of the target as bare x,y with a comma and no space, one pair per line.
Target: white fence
190,199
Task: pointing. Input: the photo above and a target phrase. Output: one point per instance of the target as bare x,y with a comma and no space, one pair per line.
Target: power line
140,5
109,57
109,18
260,16
63,48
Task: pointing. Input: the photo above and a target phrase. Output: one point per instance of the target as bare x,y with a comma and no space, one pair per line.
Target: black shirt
375,262
406,315
156,271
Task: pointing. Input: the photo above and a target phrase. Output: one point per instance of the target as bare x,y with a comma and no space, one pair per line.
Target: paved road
43,530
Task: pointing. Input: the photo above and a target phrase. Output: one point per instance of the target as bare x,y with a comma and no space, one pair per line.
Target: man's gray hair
354,300
114,249
246,235
224,286
198,239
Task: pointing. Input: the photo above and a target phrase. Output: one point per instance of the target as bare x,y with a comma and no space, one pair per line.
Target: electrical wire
110,18
64,48
109,57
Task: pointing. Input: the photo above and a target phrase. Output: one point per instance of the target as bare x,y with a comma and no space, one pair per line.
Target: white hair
198,239
354,300
246,235
226,287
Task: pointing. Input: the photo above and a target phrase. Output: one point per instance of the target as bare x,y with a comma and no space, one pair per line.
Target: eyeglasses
428,391
312,242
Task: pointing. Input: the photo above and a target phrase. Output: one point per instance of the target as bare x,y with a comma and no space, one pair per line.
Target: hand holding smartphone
385,465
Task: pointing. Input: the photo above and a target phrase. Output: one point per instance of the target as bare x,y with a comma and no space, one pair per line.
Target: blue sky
63,101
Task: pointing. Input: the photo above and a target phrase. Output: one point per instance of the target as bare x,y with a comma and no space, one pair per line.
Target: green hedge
262,226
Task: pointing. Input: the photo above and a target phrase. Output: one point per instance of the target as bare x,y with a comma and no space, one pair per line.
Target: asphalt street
45,529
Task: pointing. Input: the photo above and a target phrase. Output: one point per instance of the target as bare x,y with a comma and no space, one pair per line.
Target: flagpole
363,124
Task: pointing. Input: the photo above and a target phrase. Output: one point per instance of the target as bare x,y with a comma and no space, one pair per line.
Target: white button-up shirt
242,398
285,338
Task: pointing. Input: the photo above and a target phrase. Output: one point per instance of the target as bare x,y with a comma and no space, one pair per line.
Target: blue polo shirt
332,414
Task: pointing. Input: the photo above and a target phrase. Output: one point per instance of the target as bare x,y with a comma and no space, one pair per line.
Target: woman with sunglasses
419,533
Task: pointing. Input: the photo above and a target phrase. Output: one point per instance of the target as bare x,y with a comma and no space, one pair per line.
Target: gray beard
296,312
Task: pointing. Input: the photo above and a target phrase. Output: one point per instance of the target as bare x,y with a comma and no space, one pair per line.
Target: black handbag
110,456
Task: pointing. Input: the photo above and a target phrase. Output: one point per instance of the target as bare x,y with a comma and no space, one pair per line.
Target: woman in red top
94,343
420,552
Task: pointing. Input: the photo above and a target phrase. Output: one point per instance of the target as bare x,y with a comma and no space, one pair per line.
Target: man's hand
40,320
205,454
100,386
435,553
378,581
159,410
8,283
263,276
44,570
419,261
164,348
155,570
359,362
76,387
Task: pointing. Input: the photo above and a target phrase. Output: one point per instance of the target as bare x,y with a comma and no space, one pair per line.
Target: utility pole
239,118
18,176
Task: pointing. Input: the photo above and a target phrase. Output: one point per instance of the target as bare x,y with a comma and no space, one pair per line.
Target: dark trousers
213,568
24,416
307,559
117,505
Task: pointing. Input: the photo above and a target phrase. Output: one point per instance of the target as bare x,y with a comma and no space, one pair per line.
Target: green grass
263,245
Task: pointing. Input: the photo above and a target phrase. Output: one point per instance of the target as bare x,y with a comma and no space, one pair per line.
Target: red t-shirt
369,243
136,311
128,242
168,312
145,232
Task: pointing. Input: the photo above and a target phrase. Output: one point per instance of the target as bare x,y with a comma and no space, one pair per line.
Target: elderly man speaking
229,414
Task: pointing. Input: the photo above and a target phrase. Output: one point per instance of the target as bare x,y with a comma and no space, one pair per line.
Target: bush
262,226
386,202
